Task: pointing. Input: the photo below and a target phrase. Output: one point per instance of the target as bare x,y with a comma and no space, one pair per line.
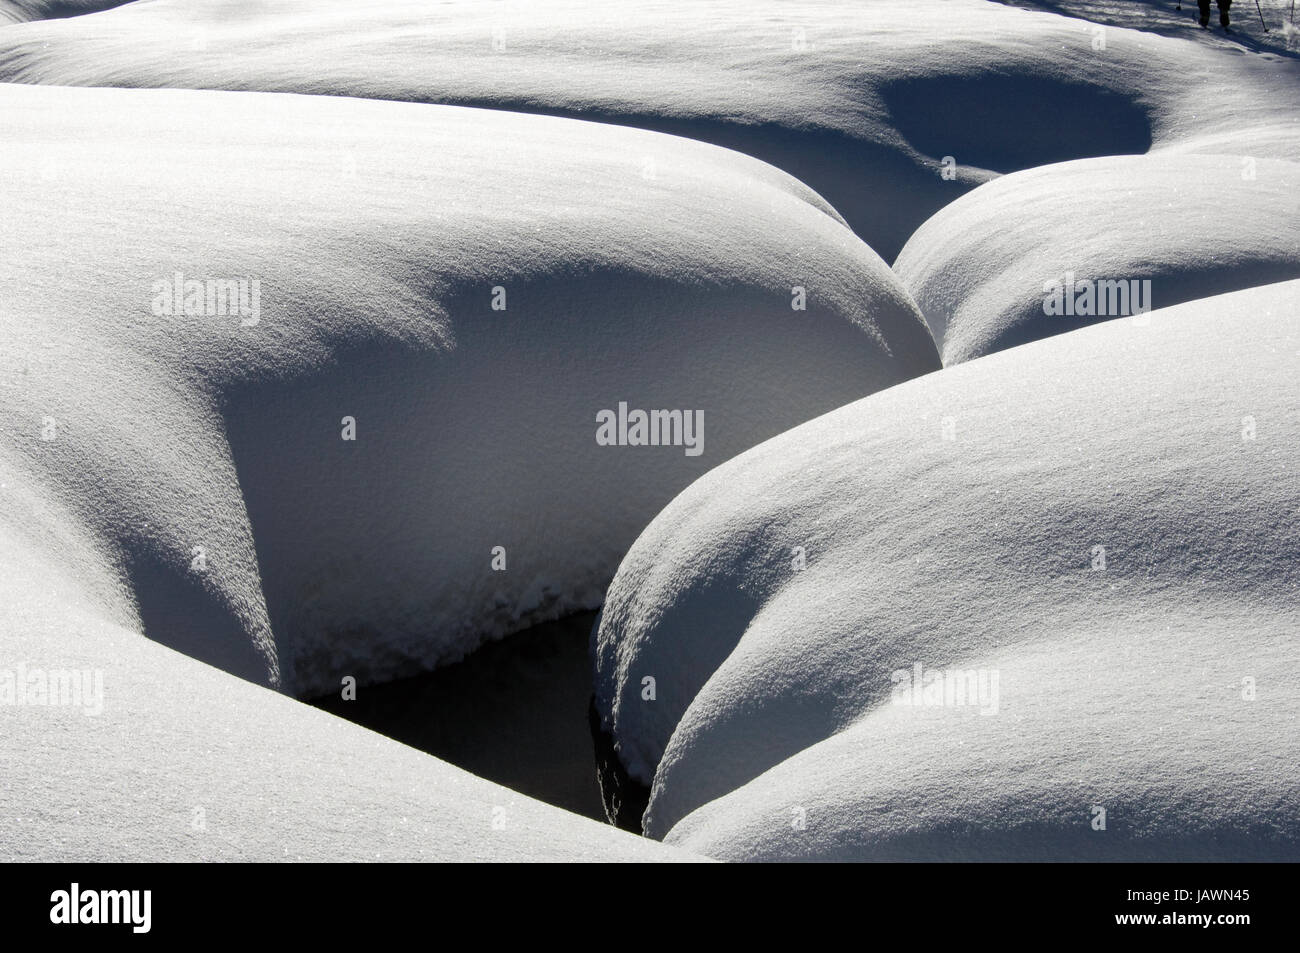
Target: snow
463,235
1192,225
1103,520
1160,16
21,11
202,458
861,103
185,763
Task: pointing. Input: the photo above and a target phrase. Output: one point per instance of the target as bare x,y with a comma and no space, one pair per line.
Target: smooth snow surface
1187,225
1106,519
861,101
378,232
461,232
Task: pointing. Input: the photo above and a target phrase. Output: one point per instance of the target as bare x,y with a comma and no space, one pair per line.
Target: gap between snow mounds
514,712
475,427
1120,550
1057,248
861,108
184,763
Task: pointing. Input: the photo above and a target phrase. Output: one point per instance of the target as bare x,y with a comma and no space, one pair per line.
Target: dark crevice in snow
513,712
625,797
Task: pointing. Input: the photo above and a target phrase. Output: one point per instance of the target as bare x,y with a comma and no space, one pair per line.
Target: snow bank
1064,246
463,291
1097,529
22,11
862,104
151,756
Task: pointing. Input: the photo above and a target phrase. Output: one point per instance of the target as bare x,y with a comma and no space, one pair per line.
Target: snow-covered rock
1060,247
464,291
151,756
862,102
1100,529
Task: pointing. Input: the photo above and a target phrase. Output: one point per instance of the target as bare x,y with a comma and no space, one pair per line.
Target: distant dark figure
1205,12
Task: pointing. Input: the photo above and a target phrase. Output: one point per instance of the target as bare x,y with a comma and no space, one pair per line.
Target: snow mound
1060,247
862,105
22,11
466,311
1093,538
151,756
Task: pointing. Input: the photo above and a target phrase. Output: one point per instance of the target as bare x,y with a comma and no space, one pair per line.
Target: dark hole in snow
1008,123
514,712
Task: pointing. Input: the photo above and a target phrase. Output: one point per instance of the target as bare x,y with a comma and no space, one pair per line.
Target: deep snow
633,267
985,269
186,763
1103,521
861,102
956,521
